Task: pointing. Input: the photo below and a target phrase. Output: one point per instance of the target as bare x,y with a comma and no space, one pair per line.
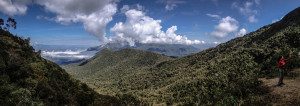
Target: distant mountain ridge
176,50
225,75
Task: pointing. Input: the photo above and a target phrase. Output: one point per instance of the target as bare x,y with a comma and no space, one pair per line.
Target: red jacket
282,62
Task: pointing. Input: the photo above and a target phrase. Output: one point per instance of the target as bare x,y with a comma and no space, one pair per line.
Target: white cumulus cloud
124,8
94,14
14,7
226,25
143,29
67,54
241,33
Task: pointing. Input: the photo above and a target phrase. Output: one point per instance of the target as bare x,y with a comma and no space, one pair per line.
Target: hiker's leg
282,73
280,77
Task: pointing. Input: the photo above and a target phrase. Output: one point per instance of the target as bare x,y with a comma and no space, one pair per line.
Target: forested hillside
28,79
107,68
227,74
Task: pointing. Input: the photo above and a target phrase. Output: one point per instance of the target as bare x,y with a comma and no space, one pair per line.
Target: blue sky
94,22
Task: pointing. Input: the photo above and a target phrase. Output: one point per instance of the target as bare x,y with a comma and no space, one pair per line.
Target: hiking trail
288,94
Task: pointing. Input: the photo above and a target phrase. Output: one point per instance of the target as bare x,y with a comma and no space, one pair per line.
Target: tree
10,22
1,23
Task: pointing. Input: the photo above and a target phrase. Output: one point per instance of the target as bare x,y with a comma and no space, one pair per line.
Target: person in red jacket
281,65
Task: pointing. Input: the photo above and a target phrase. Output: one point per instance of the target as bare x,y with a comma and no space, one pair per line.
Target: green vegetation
106,69
28,79
225,75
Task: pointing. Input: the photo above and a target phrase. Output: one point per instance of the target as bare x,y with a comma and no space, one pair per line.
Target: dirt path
288,94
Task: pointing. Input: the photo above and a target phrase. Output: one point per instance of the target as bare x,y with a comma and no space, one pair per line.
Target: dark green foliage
10,22
28,79
225,75
109,68
1,23
128,99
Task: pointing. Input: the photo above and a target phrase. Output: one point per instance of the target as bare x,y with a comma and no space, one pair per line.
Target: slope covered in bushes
108,67
28,79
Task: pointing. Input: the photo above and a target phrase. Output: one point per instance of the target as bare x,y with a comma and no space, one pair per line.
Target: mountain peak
291,19
106,50
293,15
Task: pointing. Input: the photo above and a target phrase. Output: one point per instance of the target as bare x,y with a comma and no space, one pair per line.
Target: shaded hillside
107,68
28,79
227,74
176,50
